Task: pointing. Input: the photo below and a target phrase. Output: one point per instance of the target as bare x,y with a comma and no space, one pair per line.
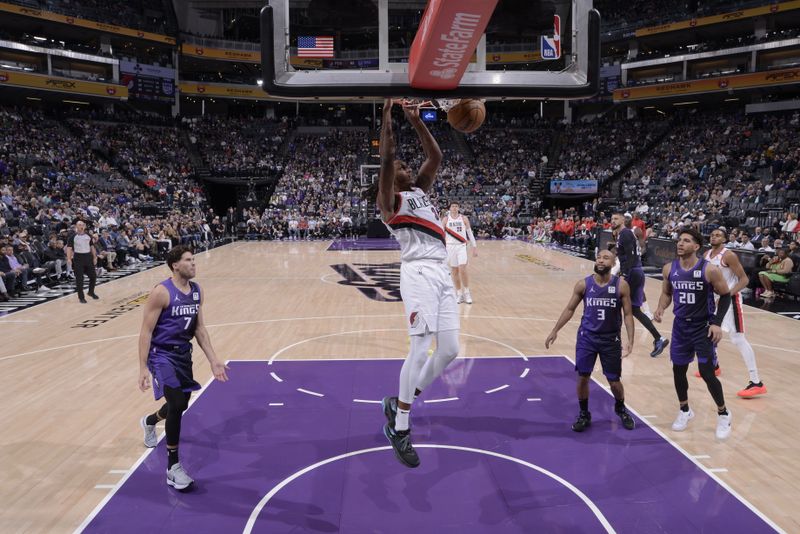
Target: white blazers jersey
417,227
734,319
456,230
719,261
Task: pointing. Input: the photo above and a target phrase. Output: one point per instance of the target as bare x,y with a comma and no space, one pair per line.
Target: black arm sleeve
722,309
626,252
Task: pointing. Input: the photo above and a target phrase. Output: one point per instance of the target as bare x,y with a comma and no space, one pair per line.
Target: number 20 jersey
692,295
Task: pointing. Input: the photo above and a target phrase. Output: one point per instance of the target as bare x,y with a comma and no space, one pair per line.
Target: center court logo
376,281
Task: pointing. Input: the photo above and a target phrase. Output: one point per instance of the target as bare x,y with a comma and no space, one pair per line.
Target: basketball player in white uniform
733,323
425,283
458,232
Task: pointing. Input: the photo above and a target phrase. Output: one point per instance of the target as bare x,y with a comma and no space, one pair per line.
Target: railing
619,29
220,43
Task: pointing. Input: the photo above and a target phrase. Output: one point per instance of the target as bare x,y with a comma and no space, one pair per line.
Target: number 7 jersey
602,307
176,324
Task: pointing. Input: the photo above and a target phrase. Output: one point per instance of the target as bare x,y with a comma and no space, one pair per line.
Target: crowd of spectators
599,149
711,169
150,15
51,177
617,15
239,146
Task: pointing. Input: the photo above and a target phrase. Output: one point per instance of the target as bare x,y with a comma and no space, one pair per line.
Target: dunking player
425,283
692,282
459,231
605,299
630,260
733,322
172,316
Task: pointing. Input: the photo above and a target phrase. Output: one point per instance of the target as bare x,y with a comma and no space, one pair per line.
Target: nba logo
698,274
551,46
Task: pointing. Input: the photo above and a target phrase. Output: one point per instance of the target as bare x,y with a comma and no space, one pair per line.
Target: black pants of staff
82,263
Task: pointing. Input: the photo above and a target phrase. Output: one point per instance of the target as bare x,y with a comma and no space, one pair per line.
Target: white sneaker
178,478
724,426
150,437
459,297
682,420
467,297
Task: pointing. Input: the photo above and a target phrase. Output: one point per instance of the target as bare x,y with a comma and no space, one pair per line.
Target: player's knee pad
418,351
177,400
679,372
707,371
738,339
447,344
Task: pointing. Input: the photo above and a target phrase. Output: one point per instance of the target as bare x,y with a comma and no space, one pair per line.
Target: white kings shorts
428,296
456,255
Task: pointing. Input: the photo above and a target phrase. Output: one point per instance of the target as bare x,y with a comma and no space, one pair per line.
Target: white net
441,103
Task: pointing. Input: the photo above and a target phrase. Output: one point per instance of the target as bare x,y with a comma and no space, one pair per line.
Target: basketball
467,116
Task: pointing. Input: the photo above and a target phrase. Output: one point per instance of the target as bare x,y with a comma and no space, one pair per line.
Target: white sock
401,421
748,355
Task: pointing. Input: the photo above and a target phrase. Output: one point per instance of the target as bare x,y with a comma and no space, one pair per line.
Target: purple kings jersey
692,294
602,307
175,326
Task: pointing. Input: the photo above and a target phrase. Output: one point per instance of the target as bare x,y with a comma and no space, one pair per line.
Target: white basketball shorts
456,255
428,296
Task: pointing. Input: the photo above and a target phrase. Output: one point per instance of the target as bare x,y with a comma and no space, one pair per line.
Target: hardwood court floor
71,405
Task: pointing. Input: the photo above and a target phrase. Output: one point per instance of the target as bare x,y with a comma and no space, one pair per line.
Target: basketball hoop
440,103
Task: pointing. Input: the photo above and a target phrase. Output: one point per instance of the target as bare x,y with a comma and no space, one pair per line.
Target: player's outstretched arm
386,174
218,367
666,294
569,311
471,237
627,315
433,154
714,276
156,301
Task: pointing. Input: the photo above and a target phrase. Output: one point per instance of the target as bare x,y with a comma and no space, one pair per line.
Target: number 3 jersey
176,324
602,307
417,227
692,295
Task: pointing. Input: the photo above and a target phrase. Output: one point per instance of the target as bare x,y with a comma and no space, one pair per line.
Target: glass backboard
360,48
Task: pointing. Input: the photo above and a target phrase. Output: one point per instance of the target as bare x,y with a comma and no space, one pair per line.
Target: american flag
315,46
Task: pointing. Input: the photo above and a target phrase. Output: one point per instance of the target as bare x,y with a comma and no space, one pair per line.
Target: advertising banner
62,85
573,187
717,19
725,83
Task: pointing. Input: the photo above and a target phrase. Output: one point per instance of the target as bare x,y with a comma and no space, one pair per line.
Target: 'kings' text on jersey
602,307
176,324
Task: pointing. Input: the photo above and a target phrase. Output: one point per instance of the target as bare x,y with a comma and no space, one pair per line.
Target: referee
82,256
